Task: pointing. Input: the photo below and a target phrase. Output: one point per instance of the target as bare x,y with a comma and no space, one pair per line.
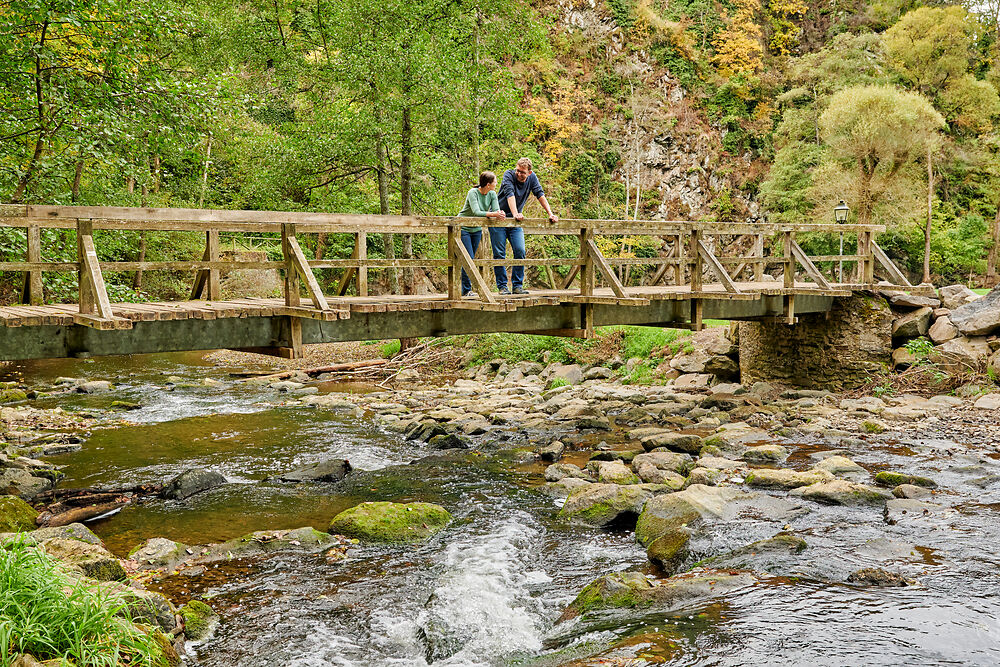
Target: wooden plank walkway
160,311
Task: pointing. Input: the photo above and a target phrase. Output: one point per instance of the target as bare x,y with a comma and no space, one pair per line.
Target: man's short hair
526,163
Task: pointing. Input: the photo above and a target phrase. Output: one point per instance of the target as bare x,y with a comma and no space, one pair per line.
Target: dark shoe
520,290
503,290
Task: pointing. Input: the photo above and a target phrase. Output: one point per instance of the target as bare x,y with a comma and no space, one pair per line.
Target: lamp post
840,212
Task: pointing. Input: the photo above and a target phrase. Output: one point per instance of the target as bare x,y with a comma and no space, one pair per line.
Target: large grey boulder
605,504
955,296
912,324
979,317
960,353
569,373
904,300
191,482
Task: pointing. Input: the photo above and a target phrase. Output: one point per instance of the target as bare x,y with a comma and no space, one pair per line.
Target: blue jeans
471,242
498,238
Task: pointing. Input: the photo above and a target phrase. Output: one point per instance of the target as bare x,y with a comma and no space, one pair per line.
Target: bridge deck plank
342,306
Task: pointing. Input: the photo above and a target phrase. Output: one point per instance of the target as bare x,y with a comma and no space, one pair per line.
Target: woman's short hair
486,178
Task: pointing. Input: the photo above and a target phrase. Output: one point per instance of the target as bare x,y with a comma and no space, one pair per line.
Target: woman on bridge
480,202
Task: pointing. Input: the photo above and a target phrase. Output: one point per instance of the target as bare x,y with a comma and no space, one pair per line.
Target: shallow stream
489,589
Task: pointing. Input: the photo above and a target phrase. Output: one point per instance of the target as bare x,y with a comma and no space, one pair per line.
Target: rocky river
592,523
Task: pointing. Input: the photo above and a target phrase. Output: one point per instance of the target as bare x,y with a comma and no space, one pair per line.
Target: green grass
44,614
390,348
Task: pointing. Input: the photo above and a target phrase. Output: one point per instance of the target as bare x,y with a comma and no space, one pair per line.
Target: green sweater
478,205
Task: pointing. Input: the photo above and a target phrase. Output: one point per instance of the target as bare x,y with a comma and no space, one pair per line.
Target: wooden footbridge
711,270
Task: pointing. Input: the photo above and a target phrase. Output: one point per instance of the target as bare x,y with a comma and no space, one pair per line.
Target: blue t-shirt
511,186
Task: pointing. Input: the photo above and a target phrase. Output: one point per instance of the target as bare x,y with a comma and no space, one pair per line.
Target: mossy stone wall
836,351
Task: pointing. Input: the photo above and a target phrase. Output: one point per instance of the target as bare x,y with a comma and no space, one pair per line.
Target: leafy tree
876,132
738,48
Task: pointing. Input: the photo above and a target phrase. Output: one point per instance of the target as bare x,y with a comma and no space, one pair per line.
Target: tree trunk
204,176
930,212
22,184
388,240
991,260
77,177
137,279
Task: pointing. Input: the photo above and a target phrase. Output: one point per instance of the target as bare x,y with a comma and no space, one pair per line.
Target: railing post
33,277
696,266
680,269
786,247
454,270
292,292
212,247
869,259
361,250
587,270
758,252
86,289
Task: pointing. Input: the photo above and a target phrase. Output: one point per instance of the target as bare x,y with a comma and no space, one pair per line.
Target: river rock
568,373
615,472
200,620
670,513
305,539
562,488
956,296
876,576
988,402
449,441
838,465
841,492
903,358
907,511
558,471
332,402
605,504
391,522
672,461
147,607
693,362
942,330
786,479
693,381
913,324
599,373
632,590
889,478
92,560
904,300
765,453
723,367
71,531
329,470
652,475
16,515
23,483
672,440
911,491
705,476
552,451
94,387
158,553
190,482
979,317
775,555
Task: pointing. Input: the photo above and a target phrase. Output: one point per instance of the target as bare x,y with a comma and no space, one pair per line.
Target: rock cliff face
673,149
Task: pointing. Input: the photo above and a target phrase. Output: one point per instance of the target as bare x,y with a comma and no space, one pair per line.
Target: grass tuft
44,613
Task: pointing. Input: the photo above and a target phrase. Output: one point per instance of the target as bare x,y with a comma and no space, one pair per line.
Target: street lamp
840,212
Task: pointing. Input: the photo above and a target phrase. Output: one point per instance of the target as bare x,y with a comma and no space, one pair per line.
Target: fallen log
79,514
62,494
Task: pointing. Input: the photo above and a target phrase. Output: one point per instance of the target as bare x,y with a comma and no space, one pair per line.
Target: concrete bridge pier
837,350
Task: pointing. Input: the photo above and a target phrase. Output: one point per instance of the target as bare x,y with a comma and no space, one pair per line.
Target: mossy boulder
16,515
170,657
786,479
605,504
92,560
842,492
391,522
669,551
200,620
305,539
158,552
12,395
888,478
619,590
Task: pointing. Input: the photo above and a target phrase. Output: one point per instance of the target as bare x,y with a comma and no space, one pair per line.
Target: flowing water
489,589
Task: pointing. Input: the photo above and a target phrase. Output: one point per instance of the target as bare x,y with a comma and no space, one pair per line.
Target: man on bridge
517,184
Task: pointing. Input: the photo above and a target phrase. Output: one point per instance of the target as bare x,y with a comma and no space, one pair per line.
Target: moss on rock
888,478
16,515
391,522
619,590
669,551
199,620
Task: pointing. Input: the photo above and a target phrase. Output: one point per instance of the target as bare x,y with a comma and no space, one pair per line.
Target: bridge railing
704,259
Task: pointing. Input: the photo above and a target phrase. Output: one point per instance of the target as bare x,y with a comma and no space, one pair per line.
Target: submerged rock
190,482
391,522
158,552
266,541
16,515
631,590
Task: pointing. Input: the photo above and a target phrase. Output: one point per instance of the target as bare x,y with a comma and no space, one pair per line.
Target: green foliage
643,341
622,10
391,348
44,613
919,347
555,383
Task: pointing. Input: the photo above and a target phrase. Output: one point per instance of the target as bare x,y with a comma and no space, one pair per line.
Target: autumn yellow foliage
738,48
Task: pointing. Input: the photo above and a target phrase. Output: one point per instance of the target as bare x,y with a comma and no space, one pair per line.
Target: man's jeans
498,238
471,242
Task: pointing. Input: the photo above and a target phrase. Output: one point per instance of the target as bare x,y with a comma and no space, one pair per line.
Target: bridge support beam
836,350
